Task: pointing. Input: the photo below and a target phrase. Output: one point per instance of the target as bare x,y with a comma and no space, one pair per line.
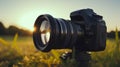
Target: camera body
93,30
86,31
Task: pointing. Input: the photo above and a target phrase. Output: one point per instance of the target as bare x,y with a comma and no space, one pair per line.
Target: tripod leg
83,59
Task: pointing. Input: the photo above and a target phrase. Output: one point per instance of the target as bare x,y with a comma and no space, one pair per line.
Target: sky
23,13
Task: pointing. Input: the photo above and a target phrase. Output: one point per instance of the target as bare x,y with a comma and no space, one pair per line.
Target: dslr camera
85,31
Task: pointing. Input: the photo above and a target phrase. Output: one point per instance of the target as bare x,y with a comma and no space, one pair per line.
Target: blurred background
17,18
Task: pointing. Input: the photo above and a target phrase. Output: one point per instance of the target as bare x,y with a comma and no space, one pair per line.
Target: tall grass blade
14,44
117,40
3,42
117,37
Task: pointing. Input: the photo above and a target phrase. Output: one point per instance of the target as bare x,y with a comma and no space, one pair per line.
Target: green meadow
18,51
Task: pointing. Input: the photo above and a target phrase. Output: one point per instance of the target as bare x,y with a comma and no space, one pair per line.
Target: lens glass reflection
45,31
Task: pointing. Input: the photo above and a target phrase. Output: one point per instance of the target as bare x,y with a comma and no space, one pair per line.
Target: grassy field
18,51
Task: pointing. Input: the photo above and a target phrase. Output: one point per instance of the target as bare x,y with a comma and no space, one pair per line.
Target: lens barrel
63,33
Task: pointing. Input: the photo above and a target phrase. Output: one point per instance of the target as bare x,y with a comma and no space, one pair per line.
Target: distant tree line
12,30
112,34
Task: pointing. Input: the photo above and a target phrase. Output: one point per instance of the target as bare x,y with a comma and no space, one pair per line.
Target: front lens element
45,31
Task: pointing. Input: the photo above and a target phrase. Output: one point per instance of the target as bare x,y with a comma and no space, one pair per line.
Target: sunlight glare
45,37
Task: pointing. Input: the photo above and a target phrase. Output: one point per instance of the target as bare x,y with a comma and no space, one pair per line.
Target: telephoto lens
85,31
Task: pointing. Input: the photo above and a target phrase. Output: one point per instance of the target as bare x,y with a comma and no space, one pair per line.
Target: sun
32,29
27,21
